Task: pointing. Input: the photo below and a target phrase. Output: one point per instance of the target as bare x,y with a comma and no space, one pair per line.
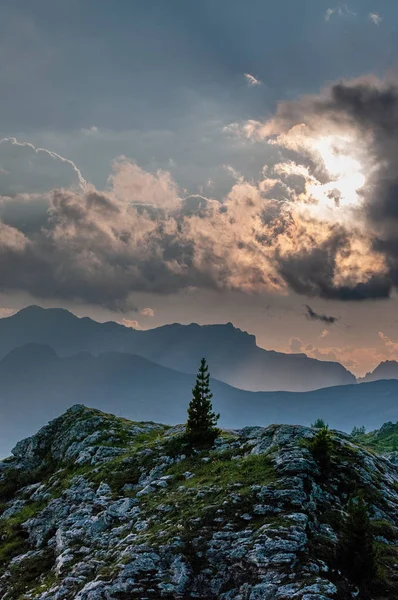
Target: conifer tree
357,550
202,421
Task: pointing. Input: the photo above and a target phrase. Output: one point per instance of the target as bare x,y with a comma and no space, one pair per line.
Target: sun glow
345,172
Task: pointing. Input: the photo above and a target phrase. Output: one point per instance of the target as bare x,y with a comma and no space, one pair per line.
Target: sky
207,162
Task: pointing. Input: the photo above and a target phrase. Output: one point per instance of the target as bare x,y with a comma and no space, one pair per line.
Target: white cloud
233,172
132,184
391,346
375,18
27,169
130,323
90,130
147,312
357,359
296,345
329,13
7,312
251,80
340,11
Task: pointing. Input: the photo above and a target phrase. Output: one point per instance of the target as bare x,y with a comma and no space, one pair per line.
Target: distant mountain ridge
387,369
232,354
36,385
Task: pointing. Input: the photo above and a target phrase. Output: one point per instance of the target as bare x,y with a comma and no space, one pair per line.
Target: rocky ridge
97,507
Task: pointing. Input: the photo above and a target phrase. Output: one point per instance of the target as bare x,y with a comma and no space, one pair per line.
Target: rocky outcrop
96,507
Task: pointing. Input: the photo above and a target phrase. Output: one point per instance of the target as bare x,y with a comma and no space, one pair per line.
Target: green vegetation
357,550
14,479
367,554
34,568
14,542
366,561
321,448
201,427
221,470
319,424
201,491
382,440
357,432
198,489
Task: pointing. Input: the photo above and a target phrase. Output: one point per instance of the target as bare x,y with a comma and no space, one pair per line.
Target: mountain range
232,354
36,384
385,370
50,359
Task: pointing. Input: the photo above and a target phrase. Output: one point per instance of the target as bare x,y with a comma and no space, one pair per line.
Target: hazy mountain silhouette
36,385
232,354
385,370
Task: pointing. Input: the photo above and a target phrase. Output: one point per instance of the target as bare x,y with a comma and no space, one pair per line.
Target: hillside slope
36,385
232,354
95,507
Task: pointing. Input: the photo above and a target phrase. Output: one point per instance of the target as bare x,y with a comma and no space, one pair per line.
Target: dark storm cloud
102,246
140,234
367,110
314,316
372,108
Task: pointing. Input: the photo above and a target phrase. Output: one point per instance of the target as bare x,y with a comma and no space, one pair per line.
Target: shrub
358,431
321,448
319,424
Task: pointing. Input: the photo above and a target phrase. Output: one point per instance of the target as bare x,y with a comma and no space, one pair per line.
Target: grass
30,571
217,494
218,489
382,440
222,470
14,537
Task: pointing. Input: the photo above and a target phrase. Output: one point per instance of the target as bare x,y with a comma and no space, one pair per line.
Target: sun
345,172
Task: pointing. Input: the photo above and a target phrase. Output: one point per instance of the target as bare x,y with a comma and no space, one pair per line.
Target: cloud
328,355
358,359
314,316
147,312
293,228
375,18
295,345
329,13
27,169
324,333
7,312
251,80
132,184
141,235
362,115
90,130
130,323
392,347
340,11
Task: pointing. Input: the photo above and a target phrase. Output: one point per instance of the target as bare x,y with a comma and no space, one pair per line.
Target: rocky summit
98,507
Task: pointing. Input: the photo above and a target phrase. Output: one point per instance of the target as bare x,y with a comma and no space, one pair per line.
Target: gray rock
182,537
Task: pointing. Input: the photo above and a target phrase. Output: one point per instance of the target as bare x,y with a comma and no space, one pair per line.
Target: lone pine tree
201,428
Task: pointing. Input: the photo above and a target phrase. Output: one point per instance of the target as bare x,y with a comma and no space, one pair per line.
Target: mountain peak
30,354
387,369
34,311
